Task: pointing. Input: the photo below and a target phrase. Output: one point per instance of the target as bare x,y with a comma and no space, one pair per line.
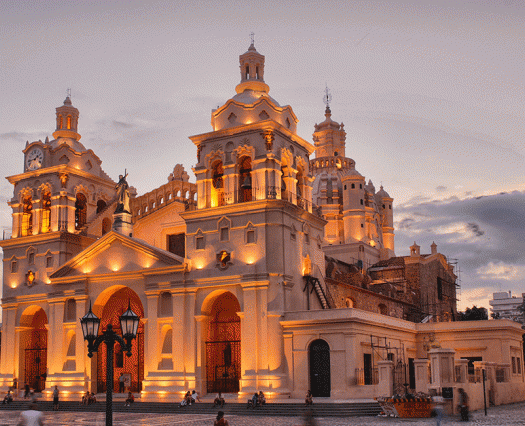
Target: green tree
474,314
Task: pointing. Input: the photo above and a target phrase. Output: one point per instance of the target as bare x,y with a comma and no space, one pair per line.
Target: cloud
20,136
441,188
121,124
501,271
485,234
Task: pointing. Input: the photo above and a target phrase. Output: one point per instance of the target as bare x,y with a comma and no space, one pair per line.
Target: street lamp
129,323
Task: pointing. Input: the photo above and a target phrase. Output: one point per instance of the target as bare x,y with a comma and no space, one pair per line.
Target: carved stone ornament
30,278
268,138
63,179
223,260
199,149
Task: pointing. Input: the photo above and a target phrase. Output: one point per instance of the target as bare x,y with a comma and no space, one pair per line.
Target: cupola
67,121
252,71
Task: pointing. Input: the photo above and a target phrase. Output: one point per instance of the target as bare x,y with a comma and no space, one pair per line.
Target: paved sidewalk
504,415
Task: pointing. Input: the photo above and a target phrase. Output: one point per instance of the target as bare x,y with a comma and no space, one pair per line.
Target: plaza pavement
513,414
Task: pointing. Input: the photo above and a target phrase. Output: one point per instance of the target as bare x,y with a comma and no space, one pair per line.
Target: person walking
31,417
55,398
309,417
463,405
438,402
121,383
220,421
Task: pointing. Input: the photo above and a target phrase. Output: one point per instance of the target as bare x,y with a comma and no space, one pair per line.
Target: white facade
505,305
233,306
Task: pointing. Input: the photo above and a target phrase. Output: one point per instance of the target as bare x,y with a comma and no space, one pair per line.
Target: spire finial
327,98
68,91
252,38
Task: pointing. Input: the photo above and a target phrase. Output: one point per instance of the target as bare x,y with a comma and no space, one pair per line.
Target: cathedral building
238,278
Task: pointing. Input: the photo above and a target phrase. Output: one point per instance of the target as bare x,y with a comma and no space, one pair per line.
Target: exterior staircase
275,409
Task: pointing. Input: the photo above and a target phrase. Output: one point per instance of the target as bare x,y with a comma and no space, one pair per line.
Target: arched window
27,215
69,122
60,122
80,211
349,303
46,211
101,205
245,179
218,183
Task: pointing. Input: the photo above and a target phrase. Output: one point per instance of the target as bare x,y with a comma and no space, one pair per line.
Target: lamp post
129,323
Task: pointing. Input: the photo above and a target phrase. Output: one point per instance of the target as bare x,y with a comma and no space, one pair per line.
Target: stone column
37,216
151,341
442,368
351,354
462,366
190,342
17,220
421,373
81,344
55,337
289,361
385,370
55,213
261,294
9,352
178,331
70,212
249,339
201,321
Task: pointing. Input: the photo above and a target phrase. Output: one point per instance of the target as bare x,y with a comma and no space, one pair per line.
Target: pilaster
421,373
55,337
385,387
152,339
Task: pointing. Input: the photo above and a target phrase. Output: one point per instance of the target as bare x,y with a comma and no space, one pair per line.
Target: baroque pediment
116,253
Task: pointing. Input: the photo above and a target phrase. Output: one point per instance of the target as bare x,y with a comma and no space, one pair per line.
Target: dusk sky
431,94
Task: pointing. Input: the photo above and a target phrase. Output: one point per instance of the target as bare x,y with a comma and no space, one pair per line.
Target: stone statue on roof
122,195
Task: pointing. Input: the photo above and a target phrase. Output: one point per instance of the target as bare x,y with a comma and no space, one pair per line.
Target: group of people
88,398
257,400
218,401
190,398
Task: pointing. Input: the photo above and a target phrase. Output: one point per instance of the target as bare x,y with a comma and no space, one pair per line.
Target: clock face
34,159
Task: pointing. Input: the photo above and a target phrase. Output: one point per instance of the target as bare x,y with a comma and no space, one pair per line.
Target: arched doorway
223,346
319,361
114,303
33,345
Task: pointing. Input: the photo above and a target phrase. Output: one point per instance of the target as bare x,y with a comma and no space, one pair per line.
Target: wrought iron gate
223,366
35,368
122,364
401,378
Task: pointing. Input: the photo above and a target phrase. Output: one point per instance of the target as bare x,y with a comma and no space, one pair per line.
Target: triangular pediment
116,253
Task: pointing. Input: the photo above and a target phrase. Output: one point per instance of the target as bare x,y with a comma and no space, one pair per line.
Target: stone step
270,409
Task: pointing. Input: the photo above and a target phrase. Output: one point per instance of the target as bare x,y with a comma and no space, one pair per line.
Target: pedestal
122,224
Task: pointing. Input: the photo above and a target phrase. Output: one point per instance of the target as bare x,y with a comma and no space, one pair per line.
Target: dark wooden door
319,355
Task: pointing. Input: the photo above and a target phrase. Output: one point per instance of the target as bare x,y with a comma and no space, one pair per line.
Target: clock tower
60,205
